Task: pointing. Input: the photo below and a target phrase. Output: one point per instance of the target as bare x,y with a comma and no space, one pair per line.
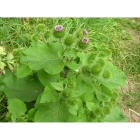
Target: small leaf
57,86
90,106
83,57
88,96
73,109
31,114
23,71
100,96
106,91
70,53
82,115
72,65
49,95
16,107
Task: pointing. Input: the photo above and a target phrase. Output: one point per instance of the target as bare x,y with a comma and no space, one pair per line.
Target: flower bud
58,31
69,40
40,27
85,69
34,37
83,44
105,53
47,34
58,28
79,33
106,74
85,40
96,69
101,62
73,101
85,32
106,110
115,94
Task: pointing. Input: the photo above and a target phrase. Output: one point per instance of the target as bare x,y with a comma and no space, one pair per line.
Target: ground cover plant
60,70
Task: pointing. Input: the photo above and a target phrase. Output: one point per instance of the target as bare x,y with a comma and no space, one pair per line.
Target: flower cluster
58,28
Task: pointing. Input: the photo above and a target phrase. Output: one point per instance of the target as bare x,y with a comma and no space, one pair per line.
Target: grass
3,107
118,34
129,62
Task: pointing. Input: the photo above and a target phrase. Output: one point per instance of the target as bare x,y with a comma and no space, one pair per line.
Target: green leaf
46,78
57,86
83,57
82,115
70,53
88,96
23,71
118,77
100,96
49,95
25,89
106,91
72,65
16,107
45,57
31,114
81,87
54,112
73,109
90,106
115,116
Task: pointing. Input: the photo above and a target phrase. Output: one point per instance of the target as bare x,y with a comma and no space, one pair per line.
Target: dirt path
130,100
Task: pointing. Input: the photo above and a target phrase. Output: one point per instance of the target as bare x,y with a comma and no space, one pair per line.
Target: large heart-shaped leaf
25,89
45,56
54,112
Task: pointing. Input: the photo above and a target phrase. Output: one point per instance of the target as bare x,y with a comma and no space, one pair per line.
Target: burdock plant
58,80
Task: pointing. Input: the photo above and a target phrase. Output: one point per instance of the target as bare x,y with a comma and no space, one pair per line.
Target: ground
130,99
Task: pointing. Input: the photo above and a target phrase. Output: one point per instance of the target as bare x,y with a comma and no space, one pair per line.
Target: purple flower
85,32
58,28
85,40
